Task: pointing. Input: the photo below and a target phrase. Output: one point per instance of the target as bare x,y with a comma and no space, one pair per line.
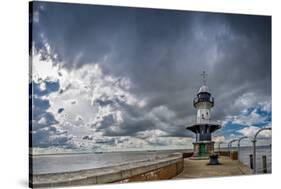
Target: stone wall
233,155
187,154
223,153
162,173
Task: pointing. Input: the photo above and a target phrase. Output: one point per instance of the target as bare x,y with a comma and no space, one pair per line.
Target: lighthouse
203,127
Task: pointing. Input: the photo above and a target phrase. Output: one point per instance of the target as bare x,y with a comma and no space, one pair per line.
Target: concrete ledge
232,154
223,153
156,169
187,154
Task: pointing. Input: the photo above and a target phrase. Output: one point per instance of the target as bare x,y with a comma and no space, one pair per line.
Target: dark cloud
65,89
60,110
87,137
111,140
162,53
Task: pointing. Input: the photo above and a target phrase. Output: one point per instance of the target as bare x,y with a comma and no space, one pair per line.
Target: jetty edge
154,169
174,166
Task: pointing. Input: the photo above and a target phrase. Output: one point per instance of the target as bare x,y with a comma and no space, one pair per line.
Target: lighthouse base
202,149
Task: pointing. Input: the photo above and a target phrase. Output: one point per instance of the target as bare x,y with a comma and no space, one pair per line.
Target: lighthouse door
202,149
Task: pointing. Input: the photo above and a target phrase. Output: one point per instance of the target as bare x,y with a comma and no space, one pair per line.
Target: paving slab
199,168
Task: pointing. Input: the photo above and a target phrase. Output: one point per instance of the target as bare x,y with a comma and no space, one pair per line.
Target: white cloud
85,95
93,93
217,139
151,134
42,86
171,142
43,69
246,100
251,131
42,121
266,106
163,112
250,117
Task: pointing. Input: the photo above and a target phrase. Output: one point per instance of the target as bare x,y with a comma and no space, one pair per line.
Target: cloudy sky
117,78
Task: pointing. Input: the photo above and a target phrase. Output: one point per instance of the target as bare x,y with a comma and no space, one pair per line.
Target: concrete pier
156,169
200,169
175,166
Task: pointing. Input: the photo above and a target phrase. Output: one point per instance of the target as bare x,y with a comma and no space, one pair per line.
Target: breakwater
157,169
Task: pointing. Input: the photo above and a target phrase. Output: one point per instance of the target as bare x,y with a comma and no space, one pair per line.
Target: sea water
80,161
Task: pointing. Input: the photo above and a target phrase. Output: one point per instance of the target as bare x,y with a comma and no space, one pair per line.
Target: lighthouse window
204,96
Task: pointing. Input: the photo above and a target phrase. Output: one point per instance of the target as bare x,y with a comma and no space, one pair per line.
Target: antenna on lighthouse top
204,77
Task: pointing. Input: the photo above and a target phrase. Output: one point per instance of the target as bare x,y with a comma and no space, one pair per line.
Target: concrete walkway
199,168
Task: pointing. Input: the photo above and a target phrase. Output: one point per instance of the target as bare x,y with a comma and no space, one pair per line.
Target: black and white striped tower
203,127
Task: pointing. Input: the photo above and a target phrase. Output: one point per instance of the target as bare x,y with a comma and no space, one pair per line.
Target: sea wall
223,153
155,169
232,154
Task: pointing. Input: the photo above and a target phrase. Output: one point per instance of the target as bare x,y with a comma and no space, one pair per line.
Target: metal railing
230,144
254,147
238,144
253,140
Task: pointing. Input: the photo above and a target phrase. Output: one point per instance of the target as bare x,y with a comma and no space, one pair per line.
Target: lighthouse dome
204,89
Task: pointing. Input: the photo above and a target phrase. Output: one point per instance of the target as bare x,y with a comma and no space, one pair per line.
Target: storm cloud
162,54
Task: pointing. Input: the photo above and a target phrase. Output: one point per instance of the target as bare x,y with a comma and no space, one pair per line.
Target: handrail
254,146
254,140
238,144
229,144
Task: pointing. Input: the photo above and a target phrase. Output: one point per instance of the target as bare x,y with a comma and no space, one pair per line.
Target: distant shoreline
149,151
101,152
